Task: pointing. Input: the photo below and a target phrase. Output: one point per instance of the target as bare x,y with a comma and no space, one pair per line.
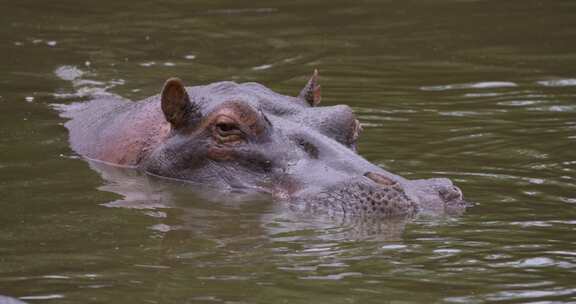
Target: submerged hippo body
246,136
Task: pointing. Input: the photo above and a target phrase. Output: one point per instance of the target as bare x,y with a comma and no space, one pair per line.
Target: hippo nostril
380,179
451,193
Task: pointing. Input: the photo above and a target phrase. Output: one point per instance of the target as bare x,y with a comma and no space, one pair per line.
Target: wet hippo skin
245,136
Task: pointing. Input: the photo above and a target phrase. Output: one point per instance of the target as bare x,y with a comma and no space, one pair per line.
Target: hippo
244,136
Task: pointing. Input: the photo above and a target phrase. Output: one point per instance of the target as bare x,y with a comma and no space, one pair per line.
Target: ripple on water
555,108
262,67
534,262
464,113
447,251
148,64
68,72
332,277
530,294
84,87
393,247
518,295
474,85
489,94
558,82
43,297
241,11
520,103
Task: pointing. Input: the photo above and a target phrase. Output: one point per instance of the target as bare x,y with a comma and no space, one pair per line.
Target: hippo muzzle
378,195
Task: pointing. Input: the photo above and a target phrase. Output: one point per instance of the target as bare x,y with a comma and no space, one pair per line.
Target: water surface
482,92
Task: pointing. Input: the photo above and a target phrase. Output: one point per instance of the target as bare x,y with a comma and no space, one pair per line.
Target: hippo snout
370,195
438,195
450,193
383,195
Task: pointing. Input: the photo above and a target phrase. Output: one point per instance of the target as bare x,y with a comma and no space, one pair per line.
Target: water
480,91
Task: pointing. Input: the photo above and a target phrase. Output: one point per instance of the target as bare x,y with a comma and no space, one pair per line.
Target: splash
83,87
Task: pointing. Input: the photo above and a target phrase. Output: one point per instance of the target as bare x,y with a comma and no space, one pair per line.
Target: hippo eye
226,130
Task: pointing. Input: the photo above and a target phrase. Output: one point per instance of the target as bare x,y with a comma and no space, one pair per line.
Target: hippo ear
311,92
176,104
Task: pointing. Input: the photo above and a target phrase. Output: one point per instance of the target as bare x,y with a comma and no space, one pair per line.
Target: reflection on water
153,195
478,91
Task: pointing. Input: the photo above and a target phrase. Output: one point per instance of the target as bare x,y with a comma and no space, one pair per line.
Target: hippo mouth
376,195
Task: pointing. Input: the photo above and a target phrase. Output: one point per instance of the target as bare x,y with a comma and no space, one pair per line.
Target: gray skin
245,136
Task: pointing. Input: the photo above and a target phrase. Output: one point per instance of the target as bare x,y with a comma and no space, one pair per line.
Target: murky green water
483,92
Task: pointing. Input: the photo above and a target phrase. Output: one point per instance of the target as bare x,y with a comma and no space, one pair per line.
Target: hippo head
246,136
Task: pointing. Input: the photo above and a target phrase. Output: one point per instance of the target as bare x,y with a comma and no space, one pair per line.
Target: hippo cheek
281,187
220,153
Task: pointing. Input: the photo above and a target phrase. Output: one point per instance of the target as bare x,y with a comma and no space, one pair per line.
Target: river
480,91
